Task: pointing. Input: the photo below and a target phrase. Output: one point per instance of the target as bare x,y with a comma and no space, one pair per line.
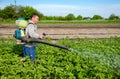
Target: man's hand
41,36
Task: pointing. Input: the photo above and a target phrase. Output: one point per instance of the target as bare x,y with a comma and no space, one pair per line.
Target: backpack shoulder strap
28,34
30,23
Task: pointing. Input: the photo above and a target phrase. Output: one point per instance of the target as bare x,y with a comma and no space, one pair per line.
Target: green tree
21,12
70,17
28,11
14,12
0,13
61,18
79,17
43,18
97,17
113,17
1,19
48,17
87,18
8,12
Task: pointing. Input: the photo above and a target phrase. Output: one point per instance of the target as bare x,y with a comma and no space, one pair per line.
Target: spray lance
43,42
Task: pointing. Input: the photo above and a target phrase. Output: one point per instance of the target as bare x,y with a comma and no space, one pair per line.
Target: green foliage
86,18
113,17
0,13
61,18
70,17
79,17
8,12
55,63
29,11
97,17
14,12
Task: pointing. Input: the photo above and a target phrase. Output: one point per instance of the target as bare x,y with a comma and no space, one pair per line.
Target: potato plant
88,59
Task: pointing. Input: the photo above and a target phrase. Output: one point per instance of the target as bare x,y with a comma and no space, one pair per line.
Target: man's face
35,19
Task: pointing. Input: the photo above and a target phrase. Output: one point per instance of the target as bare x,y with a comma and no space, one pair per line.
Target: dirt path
58,31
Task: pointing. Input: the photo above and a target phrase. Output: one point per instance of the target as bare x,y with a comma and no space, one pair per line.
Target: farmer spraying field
29,37
29,49
31,31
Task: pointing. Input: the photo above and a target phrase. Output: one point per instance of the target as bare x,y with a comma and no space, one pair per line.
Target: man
31,31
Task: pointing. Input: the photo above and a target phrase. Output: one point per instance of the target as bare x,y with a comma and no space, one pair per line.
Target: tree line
14,12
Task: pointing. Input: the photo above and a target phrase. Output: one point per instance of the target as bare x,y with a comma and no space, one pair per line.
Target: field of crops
80,22
69,22
88,59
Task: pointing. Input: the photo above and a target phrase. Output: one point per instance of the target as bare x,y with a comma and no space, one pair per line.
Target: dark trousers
29,51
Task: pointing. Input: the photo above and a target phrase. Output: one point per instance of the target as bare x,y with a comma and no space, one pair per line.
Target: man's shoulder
30,24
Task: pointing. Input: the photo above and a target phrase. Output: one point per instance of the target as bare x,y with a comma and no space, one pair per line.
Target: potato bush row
88,59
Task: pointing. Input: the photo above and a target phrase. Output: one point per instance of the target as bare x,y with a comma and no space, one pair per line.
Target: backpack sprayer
20,35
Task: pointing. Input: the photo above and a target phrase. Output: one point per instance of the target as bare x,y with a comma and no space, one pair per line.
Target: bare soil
58,31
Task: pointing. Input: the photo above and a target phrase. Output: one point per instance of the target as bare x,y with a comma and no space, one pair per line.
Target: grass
80,22
70,22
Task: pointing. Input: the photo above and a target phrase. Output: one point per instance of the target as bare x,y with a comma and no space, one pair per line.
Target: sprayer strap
30,23
34,26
